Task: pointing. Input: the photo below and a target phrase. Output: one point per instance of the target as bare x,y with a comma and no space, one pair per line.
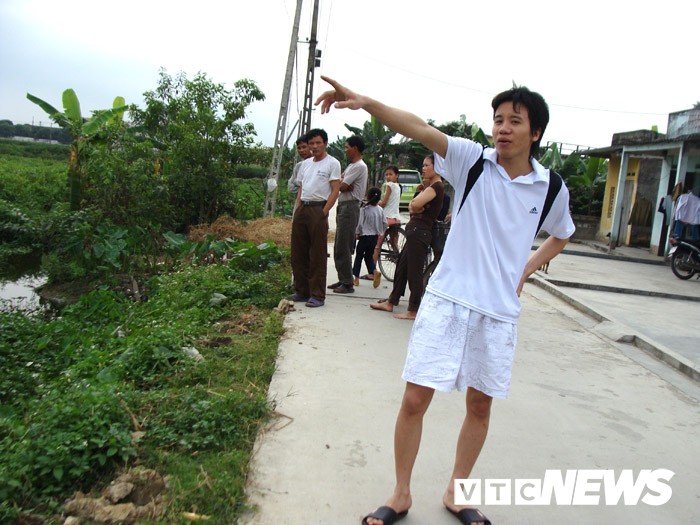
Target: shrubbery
74,388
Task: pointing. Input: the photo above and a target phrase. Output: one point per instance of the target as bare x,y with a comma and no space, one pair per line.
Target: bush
66,440
71,384
35,185
18,233
246,171
36,150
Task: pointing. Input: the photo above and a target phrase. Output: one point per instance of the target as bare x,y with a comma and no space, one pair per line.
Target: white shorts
453,347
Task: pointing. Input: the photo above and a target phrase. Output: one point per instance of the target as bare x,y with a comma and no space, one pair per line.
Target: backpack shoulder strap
555,184
474,173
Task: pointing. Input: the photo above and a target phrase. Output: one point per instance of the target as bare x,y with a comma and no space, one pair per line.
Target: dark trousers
411,264
347,217
364,251
309,251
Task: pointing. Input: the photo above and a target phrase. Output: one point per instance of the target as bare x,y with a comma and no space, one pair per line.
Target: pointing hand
339,96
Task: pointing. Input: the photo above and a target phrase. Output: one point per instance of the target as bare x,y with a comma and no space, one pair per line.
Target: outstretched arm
398,120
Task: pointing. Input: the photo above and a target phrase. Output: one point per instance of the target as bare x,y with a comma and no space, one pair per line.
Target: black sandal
386,514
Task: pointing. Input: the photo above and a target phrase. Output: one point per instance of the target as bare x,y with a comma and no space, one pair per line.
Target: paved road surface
579,400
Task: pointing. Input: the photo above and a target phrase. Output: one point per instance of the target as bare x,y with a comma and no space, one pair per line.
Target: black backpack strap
555,184
474,173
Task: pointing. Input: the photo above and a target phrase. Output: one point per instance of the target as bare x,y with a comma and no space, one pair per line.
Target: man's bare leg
470,442
407,436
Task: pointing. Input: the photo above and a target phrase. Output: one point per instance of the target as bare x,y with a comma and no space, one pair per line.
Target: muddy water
20,293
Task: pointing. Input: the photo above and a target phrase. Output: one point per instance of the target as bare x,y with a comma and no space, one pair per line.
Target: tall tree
197,127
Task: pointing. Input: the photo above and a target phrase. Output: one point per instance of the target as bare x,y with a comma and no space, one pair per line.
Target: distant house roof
642,141
683,127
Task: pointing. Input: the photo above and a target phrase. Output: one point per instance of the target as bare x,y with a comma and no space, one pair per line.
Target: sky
603,66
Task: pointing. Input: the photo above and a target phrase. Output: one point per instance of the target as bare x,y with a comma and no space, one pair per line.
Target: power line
490,93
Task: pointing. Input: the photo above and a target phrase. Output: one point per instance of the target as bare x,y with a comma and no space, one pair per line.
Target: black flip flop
469,516
386,514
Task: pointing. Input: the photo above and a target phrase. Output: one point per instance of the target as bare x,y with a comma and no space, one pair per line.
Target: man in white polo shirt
465,332
319,185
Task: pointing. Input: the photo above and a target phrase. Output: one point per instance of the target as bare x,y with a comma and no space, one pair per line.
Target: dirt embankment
275,229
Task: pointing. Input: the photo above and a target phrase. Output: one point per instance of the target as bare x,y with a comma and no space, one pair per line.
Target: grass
122,363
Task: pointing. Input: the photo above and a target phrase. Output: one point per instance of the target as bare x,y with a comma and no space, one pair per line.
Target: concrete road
579,400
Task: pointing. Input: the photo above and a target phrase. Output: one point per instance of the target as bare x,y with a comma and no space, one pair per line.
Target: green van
409,180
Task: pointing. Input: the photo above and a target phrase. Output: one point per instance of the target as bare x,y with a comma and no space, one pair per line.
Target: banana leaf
58,117
71,108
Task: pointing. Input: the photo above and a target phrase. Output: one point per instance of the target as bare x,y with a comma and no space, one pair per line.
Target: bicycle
390,249
432,258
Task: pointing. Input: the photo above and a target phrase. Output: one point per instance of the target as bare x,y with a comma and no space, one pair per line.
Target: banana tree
588,185
81,130
551,158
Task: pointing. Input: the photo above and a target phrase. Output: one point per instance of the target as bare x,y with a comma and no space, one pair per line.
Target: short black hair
317,132
537,110
303,139
395,169
356,142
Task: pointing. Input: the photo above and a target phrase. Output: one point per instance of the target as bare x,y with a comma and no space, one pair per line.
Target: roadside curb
661,352
618,289
603,253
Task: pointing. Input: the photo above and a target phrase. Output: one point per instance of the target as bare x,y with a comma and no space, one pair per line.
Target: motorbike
685,258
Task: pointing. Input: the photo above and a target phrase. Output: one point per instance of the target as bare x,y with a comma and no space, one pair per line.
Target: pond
20,293
18,280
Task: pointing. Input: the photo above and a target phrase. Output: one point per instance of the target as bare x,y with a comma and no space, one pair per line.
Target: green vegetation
115,380
585,179
30,190
37,150
74,388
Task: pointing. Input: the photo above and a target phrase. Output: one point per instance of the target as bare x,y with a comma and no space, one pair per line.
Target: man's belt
313,203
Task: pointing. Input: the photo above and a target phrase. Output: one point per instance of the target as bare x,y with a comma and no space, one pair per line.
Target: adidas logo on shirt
534,210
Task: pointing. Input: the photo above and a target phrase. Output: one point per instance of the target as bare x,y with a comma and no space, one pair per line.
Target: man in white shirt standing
465,331
319,185
353,185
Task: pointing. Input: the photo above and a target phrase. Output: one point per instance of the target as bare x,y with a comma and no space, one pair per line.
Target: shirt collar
539,173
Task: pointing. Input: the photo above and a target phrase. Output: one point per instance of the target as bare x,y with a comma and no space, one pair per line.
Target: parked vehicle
409,180
685,258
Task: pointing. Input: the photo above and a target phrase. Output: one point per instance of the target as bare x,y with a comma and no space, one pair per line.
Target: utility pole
273,176
313,63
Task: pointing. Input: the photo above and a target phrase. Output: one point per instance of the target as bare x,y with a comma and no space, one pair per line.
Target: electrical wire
489,93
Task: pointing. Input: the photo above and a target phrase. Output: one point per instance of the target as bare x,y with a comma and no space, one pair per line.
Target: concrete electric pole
313,62
273,176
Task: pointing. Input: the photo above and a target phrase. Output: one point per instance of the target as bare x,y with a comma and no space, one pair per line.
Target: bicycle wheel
429,272
389,251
